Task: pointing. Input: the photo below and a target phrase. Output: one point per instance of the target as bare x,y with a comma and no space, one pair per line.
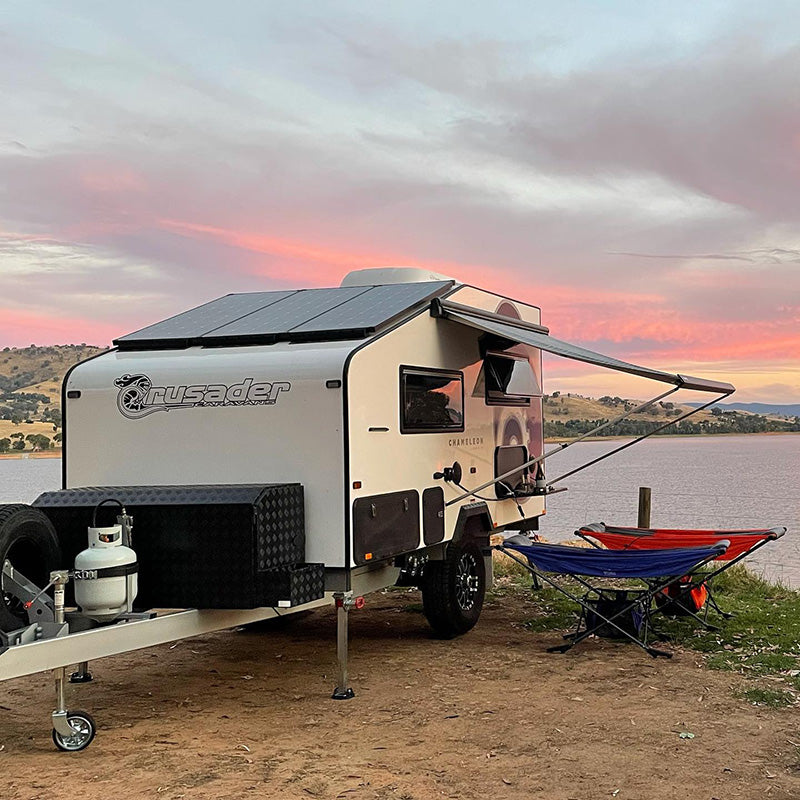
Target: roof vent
379,276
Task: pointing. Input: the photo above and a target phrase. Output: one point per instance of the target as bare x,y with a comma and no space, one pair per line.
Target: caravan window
510,380
431,400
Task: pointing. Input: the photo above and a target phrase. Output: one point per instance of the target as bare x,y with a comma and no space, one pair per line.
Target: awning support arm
565,445
636,440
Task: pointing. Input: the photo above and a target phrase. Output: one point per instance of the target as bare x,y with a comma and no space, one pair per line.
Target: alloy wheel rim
467,582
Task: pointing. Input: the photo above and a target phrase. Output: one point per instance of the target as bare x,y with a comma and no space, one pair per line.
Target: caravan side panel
267,417
384,460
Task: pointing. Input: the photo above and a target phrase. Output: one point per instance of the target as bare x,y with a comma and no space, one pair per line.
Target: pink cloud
593,315
20,328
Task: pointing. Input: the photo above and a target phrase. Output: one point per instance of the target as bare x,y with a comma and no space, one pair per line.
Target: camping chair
606,609
688,595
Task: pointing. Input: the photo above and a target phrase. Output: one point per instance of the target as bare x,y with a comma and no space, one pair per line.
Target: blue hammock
566,560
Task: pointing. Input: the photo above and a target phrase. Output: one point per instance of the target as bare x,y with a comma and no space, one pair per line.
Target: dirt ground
490,715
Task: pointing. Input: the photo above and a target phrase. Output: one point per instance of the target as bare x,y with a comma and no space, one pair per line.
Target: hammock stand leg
712,603
676,601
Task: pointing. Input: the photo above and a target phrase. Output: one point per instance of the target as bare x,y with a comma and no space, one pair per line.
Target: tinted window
509,380
431,400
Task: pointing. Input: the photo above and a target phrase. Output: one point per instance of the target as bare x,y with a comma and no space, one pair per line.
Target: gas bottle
106,575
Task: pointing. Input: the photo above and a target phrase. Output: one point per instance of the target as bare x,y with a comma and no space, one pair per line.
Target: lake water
697,482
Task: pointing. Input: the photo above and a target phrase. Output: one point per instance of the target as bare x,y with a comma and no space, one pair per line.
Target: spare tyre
28,540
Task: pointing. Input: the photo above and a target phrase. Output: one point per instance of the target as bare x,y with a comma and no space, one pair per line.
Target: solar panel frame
299,315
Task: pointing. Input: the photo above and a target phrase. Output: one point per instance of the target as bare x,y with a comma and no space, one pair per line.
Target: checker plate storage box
220,546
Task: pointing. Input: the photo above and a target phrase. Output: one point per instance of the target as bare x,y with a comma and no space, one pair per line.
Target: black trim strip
120,571
448,290
64,411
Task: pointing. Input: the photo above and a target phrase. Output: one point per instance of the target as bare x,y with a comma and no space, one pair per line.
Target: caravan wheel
453,590
28,541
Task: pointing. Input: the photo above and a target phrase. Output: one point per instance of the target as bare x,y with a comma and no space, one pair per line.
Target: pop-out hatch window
431,400
510,380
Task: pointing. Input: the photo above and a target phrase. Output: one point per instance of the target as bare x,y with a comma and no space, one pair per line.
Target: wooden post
644,507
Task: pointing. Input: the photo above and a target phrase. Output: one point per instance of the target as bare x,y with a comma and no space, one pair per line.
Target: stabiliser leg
60,724
82,674
344,602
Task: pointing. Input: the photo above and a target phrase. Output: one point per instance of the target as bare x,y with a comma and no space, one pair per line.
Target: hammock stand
657,569
743,543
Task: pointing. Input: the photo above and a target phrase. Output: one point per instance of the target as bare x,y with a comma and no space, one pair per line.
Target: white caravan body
327,414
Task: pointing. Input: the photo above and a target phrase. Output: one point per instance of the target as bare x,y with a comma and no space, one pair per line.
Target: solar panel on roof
298,315
371,309
194,323
281,317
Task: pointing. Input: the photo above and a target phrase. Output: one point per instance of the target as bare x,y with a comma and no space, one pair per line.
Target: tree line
37,441
722,422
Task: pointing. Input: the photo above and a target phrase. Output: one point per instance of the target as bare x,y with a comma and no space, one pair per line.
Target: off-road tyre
28,540
453,590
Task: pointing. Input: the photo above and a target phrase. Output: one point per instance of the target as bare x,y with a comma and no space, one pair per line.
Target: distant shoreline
54,453
559,439
57,452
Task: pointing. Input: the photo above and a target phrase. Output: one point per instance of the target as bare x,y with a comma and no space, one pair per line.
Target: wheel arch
474,524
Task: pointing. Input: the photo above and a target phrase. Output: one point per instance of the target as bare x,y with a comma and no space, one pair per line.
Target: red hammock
619,538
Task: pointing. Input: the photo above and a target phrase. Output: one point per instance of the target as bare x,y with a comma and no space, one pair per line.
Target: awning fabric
520,332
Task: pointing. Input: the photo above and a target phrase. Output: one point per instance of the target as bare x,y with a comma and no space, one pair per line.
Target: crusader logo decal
138,397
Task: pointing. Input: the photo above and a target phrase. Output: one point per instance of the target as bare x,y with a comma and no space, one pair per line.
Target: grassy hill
569,415
575,406
30,394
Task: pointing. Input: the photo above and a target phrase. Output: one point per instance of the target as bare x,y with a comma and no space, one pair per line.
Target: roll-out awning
520,332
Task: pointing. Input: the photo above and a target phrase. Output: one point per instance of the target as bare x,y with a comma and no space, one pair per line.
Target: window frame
452,374
500,399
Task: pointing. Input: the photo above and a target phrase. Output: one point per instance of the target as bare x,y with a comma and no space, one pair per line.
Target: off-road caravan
273,451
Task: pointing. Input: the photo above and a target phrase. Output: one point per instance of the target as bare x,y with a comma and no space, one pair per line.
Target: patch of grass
505,567
740,581
552,611
762,637
757,664
770,663
771,698
723,661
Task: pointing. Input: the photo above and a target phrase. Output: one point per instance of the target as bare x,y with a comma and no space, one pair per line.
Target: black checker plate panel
296,584
198,546
433,515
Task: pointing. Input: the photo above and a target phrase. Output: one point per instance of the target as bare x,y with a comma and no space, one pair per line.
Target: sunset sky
632,167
